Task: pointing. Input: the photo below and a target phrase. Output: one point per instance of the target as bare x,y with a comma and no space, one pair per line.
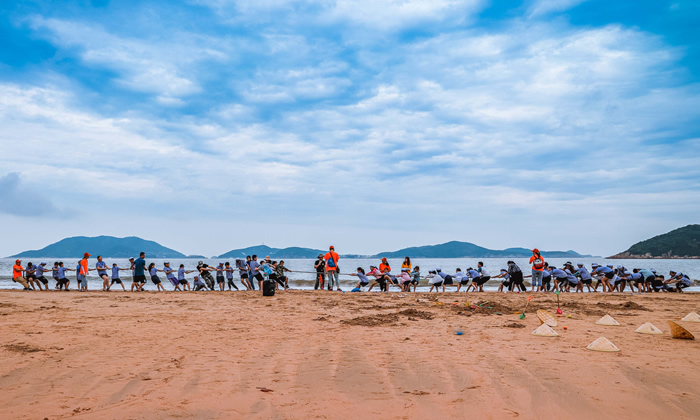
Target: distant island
112,247
108,246
680,243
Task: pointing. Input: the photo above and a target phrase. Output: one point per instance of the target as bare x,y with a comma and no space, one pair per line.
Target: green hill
457,249
680,243
107,246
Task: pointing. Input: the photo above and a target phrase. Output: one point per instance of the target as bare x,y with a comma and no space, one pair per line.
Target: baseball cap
18,261
87,254
43,263
536,251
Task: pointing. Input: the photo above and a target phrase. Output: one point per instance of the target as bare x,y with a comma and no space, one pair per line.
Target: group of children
544,277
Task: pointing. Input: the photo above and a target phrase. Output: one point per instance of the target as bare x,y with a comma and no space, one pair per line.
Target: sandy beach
305,354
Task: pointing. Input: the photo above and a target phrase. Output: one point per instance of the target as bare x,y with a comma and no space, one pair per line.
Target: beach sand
305,354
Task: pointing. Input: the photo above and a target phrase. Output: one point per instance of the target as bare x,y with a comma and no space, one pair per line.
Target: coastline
303,355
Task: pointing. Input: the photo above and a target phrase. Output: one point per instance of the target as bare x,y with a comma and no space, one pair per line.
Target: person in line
30,275
607,274
243,273
406,263
170,275
282,279
363,279
40,275
331,258
476,278
84,270
461,278
649,277
254,267
153,272
205,274
415,277
220,280
446,279
435,281
251,274
197,284
54,273
101,268
229,276
560,278
680,280
405,280
634,278
516,277
484,276
572,280
181,277
379,279
583,274
63,280
320,267
115,277
546,278
537,270
505,283
17,275
139,272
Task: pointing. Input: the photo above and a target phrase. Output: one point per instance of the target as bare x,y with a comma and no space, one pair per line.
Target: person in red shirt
331,259
537,268
84,272
384,265
17,277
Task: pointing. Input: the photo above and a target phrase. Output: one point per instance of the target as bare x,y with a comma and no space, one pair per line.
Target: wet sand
305,354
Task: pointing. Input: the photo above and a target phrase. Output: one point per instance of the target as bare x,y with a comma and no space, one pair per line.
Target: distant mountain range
109,246
679,243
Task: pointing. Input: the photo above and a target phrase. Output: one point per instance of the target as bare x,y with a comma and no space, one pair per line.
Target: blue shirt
39,270
252,266
115,272
61,273
443,275
229,272
181,274
473,274
169,272
153,271
583,273
572,279
219,271
560,274
603,270
363,278
101,267
54,271
241,267
140,267
546,273
646,273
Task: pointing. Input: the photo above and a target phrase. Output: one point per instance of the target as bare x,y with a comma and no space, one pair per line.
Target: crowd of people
544,277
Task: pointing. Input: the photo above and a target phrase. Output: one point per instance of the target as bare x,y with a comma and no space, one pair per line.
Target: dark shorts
244,275
448,280
482,280
183,281
363,284
43,280
414,281
139,279
587,281
546,280
104,275
465,282
438,284
220,280
61,282
31,277
117,281
610,275
649,279
259,277
155,280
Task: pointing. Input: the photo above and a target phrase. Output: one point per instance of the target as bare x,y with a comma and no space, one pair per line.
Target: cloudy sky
373,125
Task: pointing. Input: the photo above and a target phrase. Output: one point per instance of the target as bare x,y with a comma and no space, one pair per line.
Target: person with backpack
331,258
537,270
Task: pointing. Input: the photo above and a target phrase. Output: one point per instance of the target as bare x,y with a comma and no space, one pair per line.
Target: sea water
302,275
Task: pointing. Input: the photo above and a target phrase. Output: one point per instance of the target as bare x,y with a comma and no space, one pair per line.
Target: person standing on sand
170,275
84,272
220,280
17,277
30,276
406,264
181,273
229,276
243,273
254,267
115,277
63,281
139,267
248,260
331,258
415,277
516,277
320,266
40,274
153,271
537,268
101,268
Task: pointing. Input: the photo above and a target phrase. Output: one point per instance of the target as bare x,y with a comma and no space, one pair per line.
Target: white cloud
544,7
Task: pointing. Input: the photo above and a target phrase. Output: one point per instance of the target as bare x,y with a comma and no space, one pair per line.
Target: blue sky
209,125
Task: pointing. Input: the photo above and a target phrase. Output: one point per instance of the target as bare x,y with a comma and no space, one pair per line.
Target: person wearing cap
446,279
17,276
607,274
537,267
101,268
40,275
198,285
320,267
434,280
680,280
384,265
220,279
170,275
583,274
505,282
84,270
331,258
